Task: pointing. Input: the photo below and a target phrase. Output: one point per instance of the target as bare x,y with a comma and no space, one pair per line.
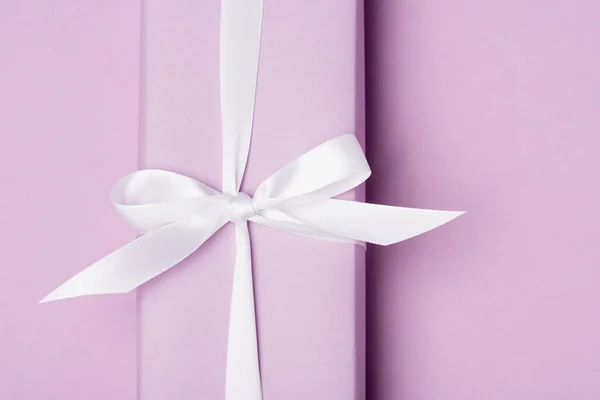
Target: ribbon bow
177,214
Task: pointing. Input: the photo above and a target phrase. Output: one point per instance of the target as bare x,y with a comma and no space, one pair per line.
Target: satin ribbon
177,214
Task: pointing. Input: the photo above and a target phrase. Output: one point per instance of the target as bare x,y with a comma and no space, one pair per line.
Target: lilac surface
490,107
68,130
309,293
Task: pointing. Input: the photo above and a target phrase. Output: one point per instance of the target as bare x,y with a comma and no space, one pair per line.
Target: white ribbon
178,214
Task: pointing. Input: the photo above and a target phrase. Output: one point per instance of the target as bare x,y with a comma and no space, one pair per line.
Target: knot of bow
240,208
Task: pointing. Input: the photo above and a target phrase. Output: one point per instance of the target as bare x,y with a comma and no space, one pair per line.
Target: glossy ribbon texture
178,214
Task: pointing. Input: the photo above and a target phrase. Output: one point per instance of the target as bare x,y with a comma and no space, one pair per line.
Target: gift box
309,294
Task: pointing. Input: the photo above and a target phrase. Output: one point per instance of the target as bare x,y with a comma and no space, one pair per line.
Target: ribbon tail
243,372
138,261
373,223
279,220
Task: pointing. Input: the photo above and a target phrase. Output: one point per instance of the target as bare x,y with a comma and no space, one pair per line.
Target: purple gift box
309,294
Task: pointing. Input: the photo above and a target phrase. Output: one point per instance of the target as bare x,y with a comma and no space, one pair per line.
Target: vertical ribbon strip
241,27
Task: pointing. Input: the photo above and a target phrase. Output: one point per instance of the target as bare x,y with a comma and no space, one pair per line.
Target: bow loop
326,171
151,198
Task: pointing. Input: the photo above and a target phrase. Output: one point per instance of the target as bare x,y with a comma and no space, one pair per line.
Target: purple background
491,107
487,106
68,131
